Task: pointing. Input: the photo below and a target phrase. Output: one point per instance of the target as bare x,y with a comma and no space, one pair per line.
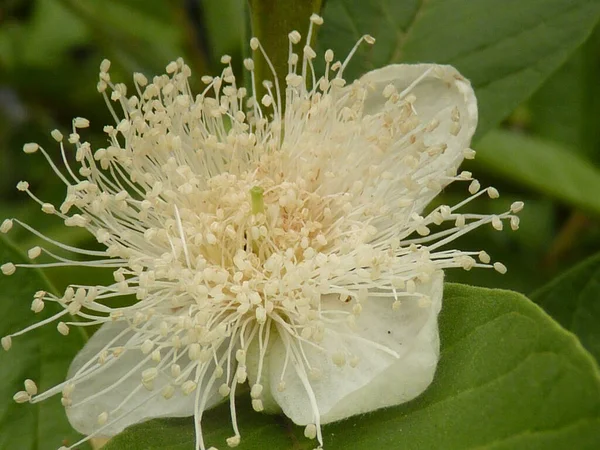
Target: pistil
257,200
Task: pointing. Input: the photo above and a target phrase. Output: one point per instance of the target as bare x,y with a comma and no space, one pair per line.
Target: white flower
282,242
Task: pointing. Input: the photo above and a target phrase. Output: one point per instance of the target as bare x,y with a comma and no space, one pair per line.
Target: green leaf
223,39
520,251
573,299
509,378
139,35
259,431
567,106
44,40
42,355
506,48
544,166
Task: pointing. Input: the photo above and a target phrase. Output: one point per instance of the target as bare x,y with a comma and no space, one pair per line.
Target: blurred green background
50,51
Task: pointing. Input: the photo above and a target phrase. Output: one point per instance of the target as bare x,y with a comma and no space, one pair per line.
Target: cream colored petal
442,94
379,379
143,405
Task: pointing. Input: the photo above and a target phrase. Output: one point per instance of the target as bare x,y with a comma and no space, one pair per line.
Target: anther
474,187
369,39
339,359
68,390
309,52
233,441
21,397
105,65
484,257
6,226
8,268
188,387
168,392
31,387
500,268
224,390
497,223
31,147
310,431
6,342
149,374
37,305
22,186
140,79
240,356
257,405
469,153
256,390
81,122
516,207
34,252
62,328
294,37
493,192
514,223
241,374
172,67
56,135
102,418
267,100
316,19
194,352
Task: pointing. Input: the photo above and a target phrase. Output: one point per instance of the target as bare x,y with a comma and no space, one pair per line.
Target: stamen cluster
233,221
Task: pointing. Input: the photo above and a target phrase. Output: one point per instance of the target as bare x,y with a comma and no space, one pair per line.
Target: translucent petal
379,379
143,405
441,93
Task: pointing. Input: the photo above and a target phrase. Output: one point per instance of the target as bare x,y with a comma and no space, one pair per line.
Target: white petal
441,90
252,361
379,379
84,418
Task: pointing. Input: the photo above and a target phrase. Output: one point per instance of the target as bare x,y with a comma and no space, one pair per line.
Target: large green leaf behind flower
509,378
506,48
573,299
544,166
42,355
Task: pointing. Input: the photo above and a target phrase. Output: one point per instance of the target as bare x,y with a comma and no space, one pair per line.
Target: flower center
238,215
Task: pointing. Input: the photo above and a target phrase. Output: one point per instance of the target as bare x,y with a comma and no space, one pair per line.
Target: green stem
272,21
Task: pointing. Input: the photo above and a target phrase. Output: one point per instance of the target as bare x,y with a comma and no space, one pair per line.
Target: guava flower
277,243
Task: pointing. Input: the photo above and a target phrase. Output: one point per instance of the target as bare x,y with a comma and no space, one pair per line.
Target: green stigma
257,200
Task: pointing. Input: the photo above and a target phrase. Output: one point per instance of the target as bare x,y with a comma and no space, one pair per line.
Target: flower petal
143,405
379,379
441,93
